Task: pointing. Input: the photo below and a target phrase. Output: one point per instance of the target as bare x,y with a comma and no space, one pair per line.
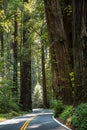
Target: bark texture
15,56
45,103
25,65
58,49
80,49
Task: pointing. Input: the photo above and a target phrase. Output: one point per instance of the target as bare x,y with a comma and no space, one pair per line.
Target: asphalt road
38,120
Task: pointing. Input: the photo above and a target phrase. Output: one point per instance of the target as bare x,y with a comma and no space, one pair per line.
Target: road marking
24,126
61,124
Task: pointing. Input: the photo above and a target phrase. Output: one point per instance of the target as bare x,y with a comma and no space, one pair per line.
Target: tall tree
2,17
2,42
58,49
25,90
15,56
80,49
45,102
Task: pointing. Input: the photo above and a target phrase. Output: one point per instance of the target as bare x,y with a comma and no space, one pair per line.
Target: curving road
39,119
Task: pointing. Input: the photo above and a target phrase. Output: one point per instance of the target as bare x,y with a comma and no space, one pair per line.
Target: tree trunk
80,49
59,48
2,43
67,18
15,56
25,65
44,79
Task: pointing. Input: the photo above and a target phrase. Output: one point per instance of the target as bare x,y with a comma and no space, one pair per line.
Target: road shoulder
61,123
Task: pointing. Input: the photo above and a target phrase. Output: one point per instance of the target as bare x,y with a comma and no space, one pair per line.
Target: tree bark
59,48
2,43
44,79
80,50
15,56
25,71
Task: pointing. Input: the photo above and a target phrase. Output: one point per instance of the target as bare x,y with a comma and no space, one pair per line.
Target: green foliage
68,10
79,119
58,108
8,106
66,113
72,78
13,113
7,103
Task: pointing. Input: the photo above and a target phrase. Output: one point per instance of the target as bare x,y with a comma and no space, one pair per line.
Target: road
39,119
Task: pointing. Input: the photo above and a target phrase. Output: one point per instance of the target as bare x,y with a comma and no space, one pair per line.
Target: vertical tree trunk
55,80
44,79
67,18
59,49
2,43
80,49
25,71
15,56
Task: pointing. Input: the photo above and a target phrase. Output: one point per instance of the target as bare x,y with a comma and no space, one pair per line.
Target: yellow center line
27,122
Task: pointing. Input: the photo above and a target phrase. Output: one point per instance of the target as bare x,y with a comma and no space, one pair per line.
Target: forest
43,58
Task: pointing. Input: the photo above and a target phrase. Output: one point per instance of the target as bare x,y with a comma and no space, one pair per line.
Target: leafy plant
79,119
7,103
58,108
66,113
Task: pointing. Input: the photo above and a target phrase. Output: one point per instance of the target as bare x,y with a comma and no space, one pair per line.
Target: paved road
37,120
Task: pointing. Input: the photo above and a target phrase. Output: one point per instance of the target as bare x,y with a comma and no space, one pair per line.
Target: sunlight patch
34,126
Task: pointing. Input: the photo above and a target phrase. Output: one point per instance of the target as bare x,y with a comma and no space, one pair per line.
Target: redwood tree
80,49
25,65
59,50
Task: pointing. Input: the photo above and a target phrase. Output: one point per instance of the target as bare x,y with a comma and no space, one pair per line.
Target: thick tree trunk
67,18
59,49
25,97
25,74
80,49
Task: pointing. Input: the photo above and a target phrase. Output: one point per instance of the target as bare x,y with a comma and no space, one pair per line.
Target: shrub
66,113
13,106
13,113
7,106
58,108
53,103
79,119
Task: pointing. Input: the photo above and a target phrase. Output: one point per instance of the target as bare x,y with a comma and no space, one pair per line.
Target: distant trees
37,96
11,52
